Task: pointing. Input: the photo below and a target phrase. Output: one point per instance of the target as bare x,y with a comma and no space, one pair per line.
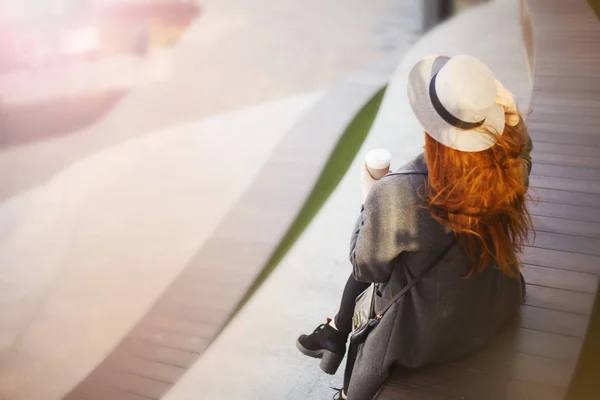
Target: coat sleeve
382,230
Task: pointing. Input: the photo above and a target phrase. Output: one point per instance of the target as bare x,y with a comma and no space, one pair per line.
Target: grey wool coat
442,318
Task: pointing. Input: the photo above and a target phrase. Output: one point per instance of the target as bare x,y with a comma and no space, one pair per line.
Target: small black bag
364,317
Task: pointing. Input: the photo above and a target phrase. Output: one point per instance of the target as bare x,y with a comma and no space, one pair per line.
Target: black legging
343,319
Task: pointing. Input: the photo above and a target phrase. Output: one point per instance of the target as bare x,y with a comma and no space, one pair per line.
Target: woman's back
445,316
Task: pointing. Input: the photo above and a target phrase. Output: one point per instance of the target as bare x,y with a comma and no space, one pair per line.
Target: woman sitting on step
452,224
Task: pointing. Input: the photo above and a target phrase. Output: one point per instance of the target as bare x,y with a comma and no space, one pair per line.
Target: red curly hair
481,196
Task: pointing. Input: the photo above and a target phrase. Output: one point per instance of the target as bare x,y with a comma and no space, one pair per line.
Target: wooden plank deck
536,358
197,305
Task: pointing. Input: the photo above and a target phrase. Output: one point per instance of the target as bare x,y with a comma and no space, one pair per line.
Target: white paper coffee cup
378,163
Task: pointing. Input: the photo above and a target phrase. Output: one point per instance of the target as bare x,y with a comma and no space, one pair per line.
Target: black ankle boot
325,343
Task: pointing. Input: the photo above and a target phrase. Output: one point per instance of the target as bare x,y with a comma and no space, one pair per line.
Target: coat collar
418,164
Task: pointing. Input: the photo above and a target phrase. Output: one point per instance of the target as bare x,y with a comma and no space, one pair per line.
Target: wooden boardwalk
536,358
198,304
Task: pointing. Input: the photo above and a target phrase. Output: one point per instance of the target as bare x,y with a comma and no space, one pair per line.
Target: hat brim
472,140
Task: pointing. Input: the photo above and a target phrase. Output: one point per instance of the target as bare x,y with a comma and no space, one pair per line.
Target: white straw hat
454,99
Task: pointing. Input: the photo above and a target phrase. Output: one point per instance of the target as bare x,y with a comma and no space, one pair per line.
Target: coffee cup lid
378,159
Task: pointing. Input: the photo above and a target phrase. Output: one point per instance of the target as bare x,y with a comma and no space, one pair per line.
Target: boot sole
330,362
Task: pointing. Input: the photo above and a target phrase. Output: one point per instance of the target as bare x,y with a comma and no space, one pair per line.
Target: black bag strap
407,172
414,281
422,274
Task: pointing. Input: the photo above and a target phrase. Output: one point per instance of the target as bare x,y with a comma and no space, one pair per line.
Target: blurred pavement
238,53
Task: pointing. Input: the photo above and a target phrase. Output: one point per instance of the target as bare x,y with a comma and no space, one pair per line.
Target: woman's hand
507,100
366,182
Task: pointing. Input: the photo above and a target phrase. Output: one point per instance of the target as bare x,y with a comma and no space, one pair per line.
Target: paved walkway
69,249
255,357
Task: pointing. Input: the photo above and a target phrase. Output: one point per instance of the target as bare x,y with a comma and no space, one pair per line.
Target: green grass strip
338,163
